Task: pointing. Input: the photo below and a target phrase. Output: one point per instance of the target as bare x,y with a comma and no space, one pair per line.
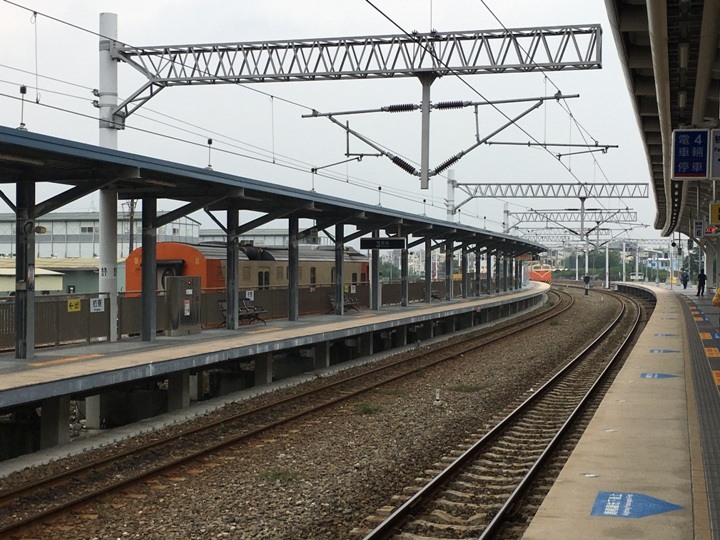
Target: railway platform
648,464
113,377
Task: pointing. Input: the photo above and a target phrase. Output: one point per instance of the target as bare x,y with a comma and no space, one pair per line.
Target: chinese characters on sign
691,152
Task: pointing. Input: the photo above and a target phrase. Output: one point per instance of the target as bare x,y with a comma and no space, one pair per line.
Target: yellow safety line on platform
712,352
67,359
698,319
716,374
705,335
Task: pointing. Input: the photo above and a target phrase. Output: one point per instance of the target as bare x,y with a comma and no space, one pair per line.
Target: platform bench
349,302
434,294
247,312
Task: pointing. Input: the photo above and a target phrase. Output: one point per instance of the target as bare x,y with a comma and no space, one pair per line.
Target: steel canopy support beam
149,270
25,271
189,208
73,194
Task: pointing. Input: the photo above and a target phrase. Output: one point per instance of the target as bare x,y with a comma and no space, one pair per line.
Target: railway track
473,495
47,498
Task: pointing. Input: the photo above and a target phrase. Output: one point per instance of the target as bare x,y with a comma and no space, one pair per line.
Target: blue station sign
630,505
691,154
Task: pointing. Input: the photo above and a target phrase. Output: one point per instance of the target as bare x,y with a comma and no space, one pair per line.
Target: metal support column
448,269
233,265
505,272
25,271
375,275
428,271
293,269
478,266
463,272
339,255
149,265
107,100
498,256
404,292
488,271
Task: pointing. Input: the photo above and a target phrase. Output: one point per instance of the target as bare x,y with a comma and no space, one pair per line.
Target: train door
263,277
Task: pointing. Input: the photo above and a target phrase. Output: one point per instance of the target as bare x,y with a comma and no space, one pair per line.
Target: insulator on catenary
450,105
404,165
403,107
447,164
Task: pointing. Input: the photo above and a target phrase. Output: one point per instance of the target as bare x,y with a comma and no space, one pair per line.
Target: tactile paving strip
705,370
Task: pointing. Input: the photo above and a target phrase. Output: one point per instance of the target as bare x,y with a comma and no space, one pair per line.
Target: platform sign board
699,227
691,154
715,153
383,243
630,505
714,213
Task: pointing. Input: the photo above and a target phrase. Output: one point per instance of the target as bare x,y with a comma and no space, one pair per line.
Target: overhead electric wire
400,194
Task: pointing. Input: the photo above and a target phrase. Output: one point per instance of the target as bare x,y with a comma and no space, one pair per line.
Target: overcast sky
261,128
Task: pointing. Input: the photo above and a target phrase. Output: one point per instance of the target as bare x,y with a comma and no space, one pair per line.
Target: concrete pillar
263,369
366,344
322,355
54,421
178,391
339,258
95,411
198,383
401,336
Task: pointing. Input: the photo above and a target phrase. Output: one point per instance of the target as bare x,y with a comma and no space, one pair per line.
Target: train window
363,277
332,275
313,275
264,279
354,278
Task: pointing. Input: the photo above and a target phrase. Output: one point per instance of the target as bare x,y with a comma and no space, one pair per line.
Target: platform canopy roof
84,168
670,55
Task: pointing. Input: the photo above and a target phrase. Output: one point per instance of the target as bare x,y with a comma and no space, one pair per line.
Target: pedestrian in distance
702,278
684,278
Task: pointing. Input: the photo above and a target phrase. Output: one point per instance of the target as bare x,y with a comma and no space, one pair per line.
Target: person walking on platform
684,278
702,278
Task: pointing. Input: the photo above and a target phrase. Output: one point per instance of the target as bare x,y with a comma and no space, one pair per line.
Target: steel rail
494,525
153,471
400,515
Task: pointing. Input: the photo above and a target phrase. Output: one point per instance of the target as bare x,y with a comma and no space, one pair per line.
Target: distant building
265,237
77,234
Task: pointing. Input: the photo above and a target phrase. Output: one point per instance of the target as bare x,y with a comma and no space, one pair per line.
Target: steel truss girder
602,216
525,190
364,57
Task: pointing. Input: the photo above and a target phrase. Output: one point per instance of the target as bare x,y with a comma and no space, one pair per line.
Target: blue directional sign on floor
662,351
656,376
629,505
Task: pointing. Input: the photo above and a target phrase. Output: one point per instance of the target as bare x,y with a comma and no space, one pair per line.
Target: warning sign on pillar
714,212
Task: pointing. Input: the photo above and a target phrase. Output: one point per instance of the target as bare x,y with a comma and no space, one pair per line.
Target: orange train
259,267
540,272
